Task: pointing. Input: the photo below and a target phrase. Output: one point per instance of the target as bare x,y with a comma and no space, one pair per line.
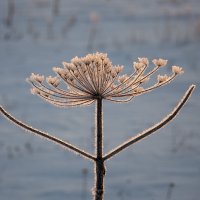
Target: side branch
46,135
154,128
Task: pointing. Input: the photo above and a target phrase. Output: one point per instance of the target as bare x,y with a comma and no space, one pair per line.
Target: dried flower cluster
93,76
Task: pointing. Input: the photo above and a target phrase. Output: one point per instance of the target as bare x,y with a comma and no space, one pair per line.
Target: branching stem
154,128
46,135
99,159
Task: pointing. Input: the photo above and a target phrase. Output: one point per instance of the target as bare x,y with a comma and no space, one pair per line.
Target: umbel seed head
85,79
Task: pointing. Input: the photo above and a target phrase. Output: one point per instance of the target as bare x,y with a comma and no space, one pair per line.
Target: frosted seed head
107,62
108,69
145,61
36,77
177,70
39,78
138,66
113,73
35,91
76,62
94,73
73,67
32,77
75,59
102,56
122,78
76,73
162,79
90,58
159,62
84,69
54,81
57,82
65,64
119,69
70,78
64,73
57,70
97,62
69,66
49,79
81,64
86,60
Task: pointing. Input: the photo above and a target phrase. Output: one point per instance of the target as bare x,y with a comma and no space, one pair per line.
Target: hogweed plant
92,79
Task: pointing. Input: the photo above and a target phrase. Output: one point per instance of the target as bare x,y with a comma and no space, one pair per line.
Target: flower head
94,76
144,61
122,78
54,81
35,91
177,70
37,78
159,62
161,78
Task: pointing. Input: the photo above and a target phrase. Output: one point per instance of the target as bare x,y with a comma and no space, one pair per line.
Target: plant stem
46,135
154,128
99,162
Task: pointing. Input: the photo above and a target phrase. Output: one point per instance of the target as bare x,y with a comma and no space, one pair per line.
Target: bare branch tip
189,91
192,87
1,108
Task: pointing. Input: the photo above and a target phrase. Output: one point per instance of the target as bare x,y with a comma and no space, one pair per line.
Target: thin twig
46,135
154,128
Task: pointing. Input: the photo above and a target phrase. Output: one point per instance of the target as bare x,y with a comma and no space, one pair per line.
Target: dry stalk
94,78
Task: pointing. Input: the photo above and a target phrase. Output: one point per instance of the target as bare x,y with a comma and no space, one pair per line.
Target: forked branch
46,135
154,128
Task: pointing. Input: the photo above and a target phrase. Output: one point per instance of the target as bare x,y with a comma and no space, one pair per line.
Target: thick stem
99,163
99,129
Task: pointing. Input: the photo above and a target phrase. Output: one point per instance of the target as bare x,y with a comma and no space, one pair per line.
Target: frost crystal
93,76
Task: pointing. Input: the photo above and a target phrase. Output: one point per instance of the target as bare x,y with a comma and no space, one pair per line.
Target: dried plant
93,78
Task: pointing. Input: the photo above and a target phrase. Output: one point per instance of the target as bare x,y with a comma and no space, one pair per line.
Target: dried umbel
93,76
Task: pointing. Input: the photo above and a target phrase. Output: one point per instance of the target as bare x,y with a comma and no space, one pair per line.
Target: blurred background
36,35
